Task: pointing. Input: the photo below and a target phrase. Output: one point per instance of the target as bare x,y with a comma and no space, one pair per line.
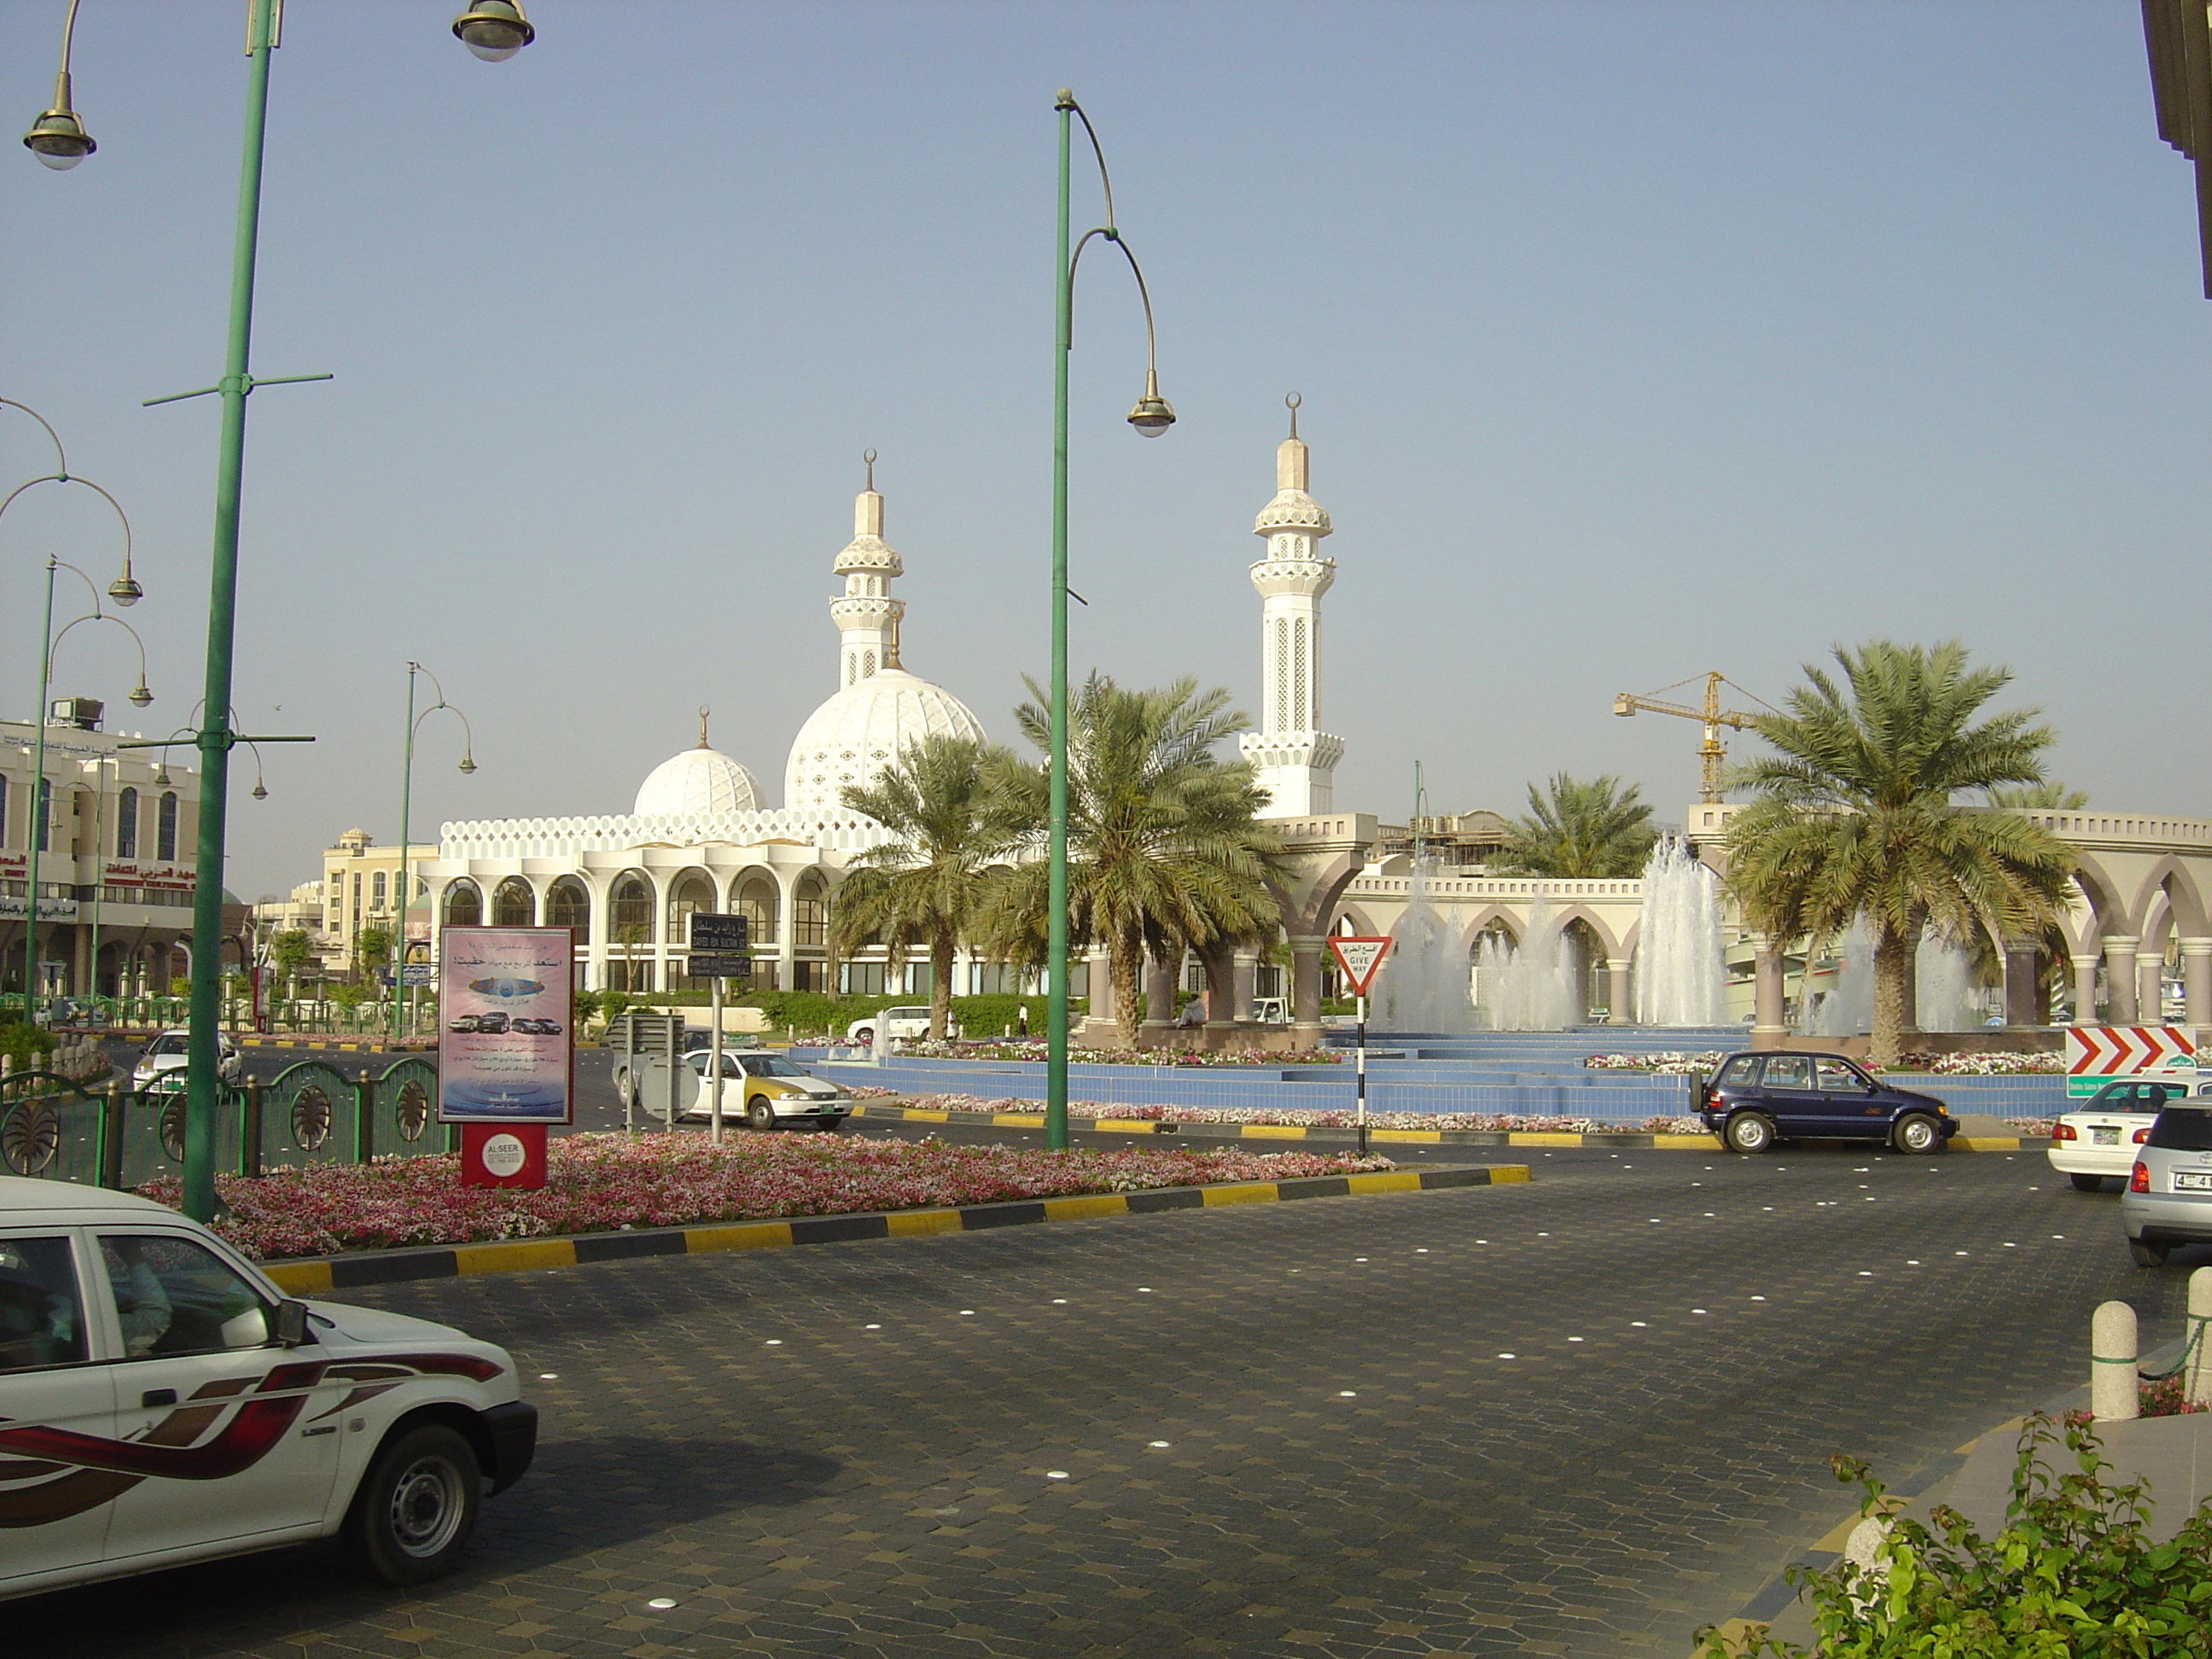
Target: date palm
1860,812
1165,850
1585,827
943,798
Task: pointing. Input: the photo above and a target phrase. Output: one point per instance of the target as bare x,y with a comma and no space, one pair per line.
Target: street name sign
711,933
722,964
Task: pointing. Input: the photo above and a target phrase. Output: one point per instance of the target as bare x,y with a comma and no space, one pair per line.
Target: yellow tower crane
1709,711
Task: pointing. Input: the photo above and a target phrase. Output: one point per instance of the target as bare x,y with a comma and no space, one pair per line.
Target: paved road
1577,1417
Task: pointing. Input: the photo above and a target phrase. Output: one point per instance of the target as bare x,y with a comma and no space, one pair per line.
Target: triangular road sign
1359,958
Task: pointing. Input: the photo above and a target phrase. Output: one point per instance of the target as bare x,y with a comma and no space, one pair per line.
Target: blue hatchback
1755,1100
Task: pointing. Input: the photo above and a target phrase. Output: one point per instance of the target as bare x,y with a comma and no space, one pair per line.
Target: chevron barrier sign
2097,1054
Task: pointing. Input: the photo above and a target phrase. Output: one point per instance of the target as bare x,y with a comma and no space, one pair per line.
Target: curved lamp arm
1152,414
124,589
58,138
140,696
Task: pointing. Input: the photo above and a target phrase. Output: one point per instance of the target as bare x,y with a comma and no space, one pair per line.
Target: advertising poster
506,1012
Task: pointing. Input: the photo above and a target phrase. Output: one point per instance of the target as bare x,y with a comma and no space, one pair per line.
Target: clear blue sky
1635,339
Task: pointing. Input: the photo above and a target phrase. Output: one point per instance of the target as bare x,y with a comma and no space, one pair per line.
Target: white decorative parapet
1619,891
2110,828
538,838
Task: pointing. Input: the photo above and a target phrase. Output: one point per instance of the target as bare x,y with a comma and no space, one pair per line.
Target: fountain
1424,983
1943,977
1681,977
1524,987
1944,999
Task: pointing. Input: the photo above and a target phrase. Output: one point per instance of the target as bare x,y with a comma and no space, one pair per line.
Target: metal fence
119,1137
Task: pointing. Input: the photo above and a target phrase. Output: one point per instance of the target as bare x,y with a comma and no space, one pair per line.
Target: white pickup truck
163,1403
896,1023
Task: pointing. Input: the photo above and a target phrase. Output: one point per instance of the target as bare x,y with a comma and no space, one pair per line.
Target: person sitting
142,1301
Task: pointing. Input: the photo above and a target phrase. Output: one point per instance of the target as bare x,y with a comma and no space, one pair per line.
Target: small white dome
860,731
702,782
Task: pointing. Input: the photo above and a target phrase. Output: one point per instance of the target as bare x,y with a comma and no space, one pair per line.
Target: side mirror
292,1324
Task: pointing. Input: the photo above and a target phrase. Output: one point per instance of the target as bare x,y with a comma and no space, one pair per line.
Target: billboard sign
506,1019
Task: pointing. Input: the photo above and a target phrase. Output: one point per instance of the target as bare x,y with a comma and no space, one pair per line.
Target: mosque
698,838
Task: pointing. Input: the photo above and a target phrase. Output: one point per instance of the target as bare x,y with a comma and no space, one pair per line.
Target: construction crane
1709,711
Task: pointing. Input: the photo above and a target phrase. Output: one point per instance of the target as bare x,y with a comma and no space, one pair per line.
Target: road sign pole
715,1089
1362,1064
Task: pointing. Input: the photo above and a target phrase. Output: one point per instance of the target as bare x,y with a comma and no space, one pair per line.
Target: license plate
2192,1180
2102,1137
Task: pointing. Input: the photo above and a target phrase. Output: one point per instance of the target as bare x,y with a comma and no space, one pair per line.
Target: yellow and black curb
328,1044
316,1276
1145,1125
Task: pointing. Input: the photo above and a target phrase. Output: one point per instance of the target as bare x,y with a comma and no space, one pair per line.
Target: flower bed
1033,1049
602,1182
1981,1063
1317,1118
1666,1062
2033,1126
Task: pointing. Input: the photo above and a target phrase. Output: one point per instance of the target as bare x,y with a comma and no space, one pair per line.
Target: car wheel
1749,1132
865,1035
828,1126
2148,1255
2087,1183
1917,1134
759,1115
411,1516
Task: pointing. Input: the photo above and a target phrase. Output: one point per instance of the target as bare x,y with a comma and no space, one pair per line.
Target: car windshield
2183,1130
2133,1096
169,1043
771,1066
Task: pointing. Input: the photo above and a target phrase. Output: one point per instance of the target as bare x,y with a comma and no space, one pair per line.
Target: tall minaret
1296,760
866,615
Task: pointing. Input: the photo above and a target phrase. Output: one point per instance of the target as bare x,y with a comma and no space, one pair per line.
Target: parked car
163,1403
767,1090
895,1022
1754,1100
462,1022
530,1027
493,1022
2098,1138
166,1053
2168,1201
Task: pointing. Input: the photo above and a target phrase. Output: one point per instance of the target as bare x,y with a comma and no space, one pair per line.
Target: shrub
26,1046
2070,1575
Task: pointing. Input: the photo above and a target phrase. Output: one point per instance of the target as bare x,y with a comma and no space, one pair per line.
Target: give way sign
1359,958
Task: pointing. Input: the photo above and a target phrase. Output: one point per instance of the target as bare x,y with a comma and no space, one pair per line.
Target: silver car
2168,1202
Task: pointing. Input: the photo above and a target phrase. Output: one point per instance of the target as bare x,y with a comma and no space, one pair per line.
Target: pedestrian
1021,1020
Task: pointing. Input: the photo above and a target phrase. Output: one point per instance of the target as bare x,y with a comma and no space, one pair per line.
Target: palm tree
1858,814
944,799
1166,851
2052,796
1587,828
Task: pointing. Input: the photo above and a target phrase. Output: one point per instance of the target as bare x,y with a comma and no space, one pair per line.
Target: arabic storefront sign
50,909
506,1048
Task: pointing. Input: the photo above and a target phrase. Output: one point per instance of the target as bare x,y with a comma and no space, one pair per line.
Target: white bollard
2196,1373
2112,1395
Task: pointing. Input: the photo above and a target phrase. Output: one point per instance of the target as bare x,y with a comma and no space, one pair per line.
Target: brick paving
1575,1418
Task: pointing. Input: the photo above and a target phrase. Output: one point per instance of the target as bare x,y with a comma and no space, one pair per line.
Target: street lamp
493,29
468,765
1150,417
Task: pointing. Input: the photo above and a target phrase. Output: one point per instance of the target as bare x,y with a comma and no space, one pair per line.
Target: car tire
1749,1132
2086,1183
2148,1255
412,1514
828,1126
1916,1134
759,1115
866,1037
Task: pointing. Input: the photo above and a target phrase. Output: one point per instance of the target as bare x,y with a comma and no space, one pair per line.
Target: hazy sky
1636,339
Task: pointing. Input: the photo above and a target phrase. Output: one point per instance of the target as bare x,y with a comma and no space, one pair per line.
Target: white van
162,1402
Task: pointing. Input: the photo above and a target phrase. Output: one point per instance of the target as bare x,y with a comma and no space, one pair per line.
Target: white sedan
2101,1138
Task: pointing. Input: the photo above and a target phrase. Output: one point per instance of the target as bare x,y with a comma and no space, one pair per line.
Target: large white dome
860,731
700,782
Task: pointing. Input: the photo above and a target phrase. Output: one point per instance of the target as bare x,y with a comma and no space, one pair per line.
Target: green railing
54,1128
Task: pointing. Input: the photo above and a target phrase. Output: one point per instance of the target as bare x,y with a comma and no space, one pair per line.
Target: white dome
860,731
700,782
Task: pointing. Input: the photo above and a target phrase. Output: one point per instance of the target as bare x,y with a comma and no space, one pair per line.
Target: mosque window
464,905
513,904
1282,673
867,664
568,906
1298,678
126,823
756,903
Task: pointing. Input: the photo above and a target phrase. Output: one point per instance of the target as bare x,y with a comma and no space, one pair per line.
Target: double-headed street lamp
468,763
124,592
1150,417
492,29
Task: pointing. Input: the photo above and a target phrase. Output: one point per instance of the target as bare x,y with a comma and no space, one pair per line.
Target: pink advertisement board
507,1017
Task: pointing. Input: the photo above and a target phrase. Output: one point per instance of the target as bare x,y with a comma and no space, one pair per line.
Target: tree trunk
940,985
1893,991
1128,961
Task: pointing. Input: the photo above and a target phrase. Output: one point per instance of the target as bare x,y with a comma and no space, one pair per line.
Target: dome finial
703,711
868,460
1291,403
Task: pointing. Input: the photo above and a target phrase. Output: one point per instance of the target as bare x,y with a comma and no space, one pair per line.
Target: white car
2105,1134
163,1403
166,1053
765,1090
895,1023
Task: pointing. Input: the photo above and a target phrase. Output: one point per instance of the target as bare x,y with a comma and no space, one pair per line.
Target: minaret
1294,759
866,615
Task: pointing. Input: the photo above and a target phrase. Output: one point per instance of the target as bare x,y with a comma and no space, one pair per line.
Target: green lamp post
468,764
1150,417
492,29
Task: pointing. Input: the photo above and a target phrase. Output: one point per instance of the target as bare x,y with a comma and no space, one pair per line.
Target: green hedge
26,1046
